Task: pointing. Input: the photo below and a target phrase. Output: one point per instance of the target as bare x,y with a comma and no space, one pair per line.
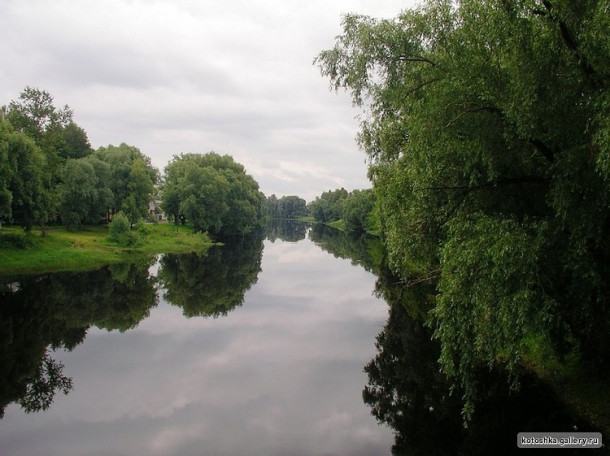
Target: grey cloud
170,77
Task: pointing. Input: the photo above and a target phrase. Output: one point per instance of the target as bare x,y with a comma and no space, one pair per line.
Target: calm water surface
265,358
275,347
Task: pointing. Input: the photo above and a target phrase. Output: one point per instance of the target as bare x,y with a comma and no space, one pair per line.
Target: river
273,366
297,343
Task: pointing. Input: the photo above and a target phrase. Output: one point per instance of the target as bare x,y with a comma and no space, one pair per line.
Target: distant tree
79,193
131,179
23,196
76,143
53,130
6,172
84,192
204,196
41,177
140,187
213,192
328,206
292,206
35,114
273,209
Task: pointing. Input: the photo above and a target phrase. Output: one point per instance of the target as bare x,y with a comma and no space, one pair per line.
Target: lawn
62,250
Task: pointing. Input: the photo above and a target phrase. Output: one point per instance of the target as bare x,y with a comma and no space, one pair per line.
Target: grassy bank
62,250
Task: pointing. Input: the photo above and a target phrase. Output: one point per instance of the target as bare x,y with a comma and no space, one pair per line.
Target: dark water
257,348
278,371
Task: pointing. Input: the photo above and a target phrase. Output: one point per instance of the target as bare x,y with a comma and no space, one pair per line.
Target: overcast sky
232,76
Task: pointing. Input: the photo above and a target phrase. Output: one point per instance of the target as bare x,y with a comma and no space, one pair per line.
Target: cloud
184,75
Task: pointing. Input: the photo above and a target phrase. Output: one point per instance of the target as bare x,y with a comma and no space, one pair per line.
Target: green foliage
328,206
487,137
55,134
13,240
76,143
356,210
48,171
119,231
80,199
406,391
213,193
23,197
130,179
290,206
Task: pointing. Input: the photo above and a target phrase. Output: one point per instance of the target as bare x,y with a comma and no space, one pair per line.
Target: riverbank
62,250
371,229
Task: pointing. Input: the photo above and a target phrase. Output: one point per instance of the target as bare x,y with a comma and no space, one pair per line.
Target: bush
141,228
119,231
12,240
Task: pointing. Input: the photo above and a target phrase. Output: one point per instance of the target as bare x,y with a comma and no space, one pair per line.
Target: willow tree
24,200
54,132
488,139
213,193
131,179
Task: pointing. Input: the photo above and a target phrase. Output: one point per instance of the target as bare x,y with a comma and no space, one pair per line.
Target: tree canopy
23,197
329,205
290,206
213,193
487,133
50,173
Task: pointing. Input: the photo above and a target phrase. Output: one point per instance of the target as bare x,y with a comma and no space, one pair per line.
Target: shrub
14,240
119,231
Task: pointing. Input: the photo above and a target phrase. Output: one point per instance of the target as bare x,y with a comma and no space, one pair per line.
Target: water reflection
286,230
280,373
406,391
364,250
212,284
40,314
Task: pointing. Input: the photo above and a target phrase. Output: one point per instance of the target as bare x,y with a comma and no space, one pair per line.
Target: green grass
307,218
62,250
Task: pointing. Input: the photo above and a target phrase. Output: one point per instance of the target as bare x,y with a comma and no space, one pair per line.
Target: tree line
50,174
355,209
488,143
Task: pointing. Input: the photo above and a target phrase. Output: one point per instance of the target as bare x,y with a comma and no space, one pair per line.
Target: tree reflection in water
286,230
212,284
40,314
407,391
